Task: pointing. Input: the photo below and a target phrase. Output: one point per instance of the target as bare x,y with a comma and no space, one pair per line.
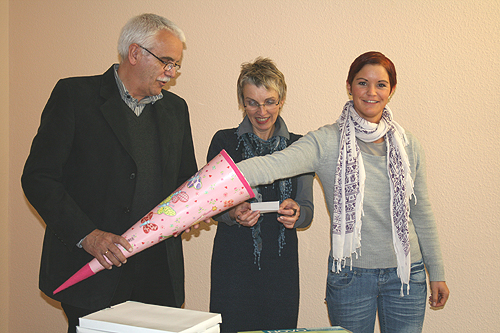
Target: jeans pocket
417,274
340,280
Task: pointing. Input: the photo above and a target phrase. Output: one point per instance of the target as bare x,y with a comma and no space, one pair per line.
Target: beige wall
4,165
446,53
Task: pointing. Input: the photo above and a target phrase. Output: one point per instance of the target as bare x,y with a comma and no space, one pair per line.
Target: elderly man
109,148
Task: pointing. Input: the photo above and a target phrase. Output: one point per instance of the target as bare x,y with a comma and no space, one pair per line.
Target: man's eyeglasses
168,65
269,105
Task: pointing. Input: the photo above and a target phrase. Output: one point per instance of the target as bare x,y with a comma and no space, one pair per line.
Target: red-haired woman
373,173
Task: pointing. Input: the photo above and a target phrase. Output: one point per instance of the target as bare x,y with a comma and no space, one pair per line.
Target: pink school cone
216,187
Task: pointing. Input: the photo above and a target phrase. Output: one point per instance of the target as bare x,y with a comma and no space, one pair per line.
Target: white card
266,207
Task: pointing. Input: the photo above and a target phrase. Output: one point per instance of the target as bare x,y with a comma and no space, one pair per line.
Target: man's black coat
80,176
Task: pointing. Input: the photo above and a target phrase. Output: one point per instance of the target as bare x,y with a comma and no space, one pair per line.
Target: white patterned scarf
350,184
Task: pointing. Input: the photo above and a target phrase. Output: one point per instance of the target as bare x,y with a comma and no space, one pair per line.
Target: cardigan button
126,210
132,175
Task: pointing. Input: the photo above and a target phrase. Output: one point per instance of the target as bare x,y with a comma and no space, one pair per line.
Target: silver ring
106,252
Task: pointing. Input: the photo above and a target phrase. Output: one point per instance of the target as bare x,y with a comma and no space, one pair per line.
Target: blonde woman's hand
243,215
290,213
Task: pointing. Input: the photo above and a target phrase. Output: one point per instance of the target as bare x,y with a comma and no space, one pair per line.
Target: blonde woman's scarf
350,181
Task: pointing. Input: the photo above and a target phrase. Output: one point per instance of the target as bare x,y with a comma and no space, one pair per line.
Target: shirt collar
127,98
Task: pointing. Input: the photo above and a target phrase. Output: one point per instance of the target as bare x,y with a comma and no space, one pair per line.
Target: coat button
132,175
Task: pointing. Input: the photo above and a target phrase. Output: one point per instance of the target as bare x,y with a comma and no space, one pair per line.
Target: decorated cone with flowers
216,187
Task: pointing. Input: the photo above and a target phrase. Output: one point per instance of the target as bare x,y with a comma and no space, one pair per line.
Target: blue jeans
354,296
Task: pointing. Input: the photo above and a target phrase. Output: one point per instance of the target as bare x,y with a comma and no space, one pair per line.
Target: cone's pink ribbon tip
82,274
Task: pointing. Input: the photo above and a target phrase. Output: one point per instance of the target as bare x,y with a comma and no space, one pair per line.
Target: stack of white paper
135,317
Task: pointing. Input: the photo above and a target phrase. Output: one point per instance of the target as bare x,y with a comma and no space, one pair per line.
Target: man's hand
196,226
103,246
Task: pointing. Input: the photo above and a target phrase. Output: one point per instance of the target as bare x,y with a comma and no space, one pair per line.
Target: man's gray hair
142,30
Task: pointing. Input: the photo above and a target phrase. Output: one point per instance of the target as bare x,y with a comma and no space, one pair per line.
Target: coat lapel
114,108
166,131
